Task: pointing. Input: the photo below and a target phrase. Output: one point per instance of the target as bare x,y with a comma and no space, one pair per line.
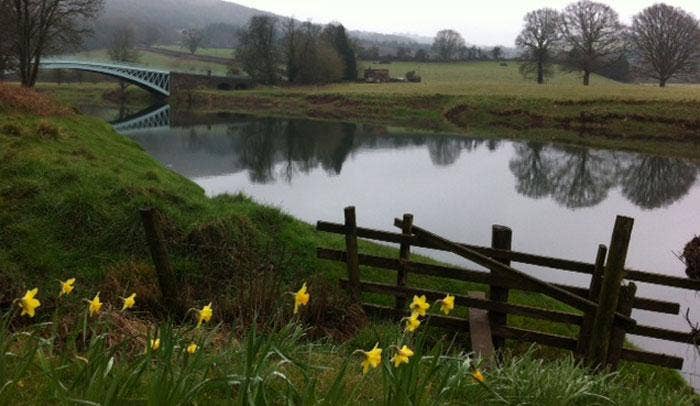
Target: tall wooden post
353,265
593,294
501,238
599,344
404,256
164,270
617,341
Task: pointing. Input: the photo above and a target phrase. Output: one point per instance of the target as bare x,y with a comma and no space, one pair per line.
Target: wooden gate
601,312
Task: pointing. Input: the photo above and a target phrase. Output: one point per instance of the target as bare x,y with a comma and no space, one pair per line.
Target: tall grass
42,364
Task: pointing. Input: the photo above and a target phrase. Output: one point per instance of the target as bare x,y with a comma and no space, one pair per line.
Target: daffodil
192,348
372,359
402,357
29,303
204,315
447,304
94,305
301,298
419,305
155,344
129,302
412,323
478,376
67,287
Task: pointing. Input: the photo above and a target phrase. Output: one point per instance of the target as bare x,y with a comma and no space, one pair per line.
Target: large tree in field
39,27
122,48
539,38
447,44
593,37
192,39
666,40
258,50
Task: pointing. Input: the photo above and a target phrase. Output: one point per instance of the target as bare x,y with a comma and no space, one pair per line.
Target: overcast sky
483,22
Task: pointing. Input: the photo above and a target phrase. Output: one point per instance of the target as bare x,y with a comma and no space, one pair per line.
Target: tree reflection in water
580,177
272,149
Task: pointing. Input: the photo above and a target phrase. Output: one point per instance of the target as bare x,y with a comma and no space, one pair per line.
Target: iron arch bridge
152,80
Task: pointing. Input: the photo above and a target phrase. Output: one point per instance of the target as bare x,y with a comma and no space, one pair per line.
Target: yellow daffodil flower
204,315
155,344
95,305
412,323
447,304
419,305
372,359
192,348
29,303
402,356
67,287
129,302
478,376
301,298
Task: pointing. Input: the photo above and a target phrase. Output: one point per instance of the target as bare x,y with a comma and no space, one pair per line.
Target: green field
217,52
158,61
489,79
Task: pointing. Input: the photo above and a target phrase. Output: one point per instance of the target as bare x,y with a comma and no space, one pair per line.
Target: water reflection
273,150
578,177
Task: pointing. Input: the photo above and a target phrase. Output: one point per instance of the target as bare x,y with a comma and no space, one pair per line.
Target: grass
70,193
111,359
157,61
217,52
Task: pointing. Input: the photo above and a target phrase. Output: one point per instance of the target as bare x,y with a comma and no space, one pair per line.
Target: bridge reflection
153,117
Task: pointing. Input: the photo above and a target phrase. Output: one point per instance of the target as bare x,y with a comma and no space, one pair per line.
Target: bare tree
258,50
38,27
122,48
593,36
447,44
497,53
666,40
539,37
192,40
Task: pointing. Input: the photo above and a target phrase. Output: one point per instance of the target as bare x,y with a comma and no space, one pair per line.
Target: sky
484,22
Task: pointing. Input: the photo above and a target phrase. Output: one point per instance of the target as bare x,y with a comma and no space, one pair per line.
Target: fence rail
588,312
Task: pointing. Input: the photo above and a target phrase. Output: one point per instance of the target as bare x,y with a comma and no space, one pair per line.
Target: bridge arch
152,80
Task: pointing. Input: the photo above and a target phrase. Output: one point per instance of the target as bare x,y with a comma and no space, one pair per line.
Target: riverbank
668,127
70,193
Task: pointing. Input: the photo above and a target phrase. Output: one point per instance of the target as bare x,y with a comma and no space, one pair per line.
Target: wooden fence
604,308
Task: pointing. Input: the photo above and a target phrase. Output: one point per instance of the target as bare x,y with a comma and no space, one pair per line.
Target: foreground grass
112,359
70,191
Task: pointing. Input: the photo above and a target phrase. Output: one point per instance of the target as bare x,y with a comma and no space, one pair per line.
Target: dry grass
18,99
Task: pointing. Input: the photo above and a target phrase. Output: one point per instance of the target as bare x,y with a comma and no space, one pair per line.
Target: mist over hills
163,20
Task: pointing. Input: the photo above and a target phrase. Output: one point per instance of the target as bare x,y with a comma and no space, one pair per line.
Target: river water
559,200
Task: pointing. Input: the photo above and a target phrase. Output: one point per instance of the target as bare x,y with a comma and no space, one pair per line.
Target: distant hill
165,19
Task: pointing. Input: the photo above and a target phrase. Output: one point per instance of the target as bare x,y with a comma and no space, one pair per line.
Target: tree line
271,52
663,42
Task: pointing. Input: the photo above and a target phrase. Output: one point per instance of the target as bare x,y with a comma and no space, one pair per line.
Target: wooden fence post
584,334
351,249
601,333
164,270
501,238
617,340
404,255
